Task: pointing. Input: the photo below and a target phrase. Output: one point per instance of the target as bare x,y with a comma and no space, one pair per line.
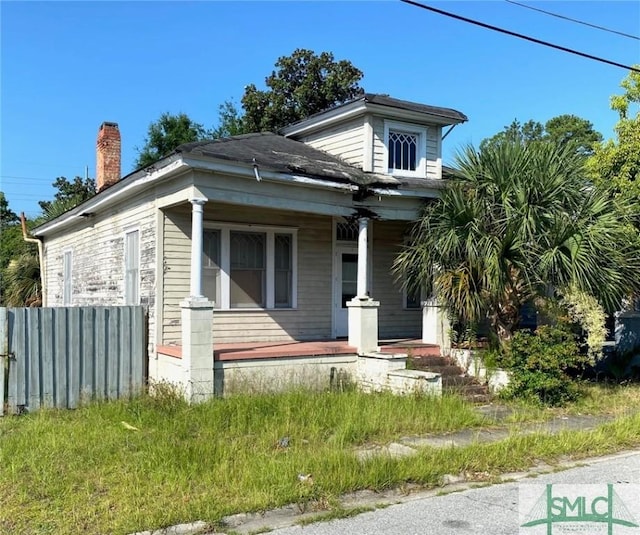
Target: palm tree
22,281
517,220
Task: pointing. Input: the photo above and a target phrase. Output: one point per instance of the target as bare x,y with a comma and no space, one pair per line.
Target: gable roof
283,155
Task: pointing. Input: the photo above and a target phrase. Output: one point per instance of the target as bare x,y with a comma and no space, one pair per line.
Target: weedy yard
150,462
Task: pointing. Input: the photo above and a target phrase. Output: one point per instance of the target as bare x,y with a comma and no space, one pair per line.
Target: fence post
4,355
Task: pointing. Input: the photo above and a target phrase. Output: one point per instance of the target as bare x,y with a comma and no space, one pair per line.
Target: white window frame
225,263
126,298
67,277
421,149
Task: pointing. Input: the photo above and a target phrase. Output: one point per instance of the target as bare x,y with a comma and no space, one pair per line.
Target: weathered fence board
4,356
58,357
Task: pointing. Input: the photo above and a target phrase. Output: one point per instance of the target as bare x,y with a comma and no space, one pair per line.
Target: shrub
539,363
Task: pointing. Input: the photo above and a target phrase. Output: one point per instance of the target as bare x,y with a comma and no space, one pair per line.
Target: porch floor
294,348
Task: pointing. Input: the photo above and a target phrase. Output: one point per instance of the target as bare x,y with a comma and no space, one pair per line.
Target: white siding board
344,140
97,245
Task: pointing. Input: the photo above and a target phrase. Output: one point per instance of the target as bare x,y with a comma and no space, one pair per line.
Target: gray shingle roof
386,100
283,155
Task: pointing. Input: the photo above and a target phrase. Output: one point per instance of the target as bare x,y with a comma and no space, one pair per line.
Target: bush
539,363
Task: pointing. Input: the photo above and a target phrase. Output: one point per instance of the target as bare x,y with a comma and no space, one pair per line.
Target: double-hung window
405,146
249,267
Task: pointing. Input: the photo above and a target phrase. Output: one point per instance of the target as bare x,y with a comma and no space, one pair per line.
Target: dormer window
405,146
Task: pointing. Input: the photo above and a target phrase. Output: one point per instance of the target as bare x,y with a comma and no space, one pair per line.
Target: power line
521,36
574,20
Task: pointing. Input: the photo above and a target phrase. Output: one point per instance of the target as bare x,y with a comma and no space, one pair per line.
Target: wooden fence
59,357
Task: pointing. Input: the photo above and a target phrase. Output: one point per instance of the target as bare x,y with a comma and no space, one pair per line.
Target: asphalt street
494,510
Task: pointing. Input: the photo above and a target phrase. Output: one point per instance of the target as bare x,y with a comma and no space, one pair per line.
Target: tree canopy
563,130
166,134
69,195
7,215
615,164
518,219
302,84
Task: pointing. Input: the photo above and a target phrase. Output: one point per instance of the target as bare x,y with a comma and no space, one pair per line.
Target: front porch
321,364
294,348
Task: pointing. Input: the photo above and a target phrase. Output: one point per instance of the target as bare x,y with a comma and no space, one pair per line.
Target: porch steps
454,379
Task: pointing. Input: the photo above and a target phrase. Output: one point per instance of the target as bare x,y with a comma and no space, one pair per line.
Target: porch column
363,311
197,321
363,256
197,210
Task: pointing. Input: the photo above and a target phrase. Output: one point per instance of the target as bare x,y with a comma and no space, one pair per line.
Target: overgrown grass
84,471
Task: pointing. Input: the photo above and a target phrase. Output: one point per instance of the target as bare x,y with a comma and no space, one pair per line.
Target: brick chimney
107,156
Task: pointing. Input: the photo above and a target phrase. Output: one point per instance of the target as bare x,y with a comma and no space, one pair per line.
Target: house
260,239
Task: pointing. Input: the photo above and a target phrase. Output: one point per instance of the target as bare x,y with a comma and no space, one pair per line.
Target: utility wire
521,36
575,20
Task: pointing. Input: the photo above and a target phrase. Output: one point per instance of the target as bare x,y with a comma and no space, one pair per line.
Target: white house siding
393,320
434,158
312,318
97,246
345,141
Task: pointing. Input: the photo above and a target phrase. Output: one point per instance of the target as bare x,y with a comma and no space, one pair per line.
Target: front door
345,286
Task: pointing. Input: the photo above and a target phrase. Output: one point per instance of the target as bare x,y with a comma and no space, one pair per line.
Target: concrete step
454,378
429,360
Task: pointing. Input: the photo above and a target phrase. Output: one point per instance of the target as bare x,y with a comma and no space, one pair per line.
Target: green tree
230,122
22,281
69,195
302,84
165,135
562,129
518,219
11,242
615,165
573,130
7,215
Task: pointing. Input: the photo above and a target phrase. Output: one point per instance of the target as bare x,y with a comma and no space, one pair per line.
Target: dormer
380,134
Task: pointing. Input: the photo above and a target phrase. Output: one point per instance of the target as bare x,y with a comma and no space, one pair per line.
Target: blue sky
68,66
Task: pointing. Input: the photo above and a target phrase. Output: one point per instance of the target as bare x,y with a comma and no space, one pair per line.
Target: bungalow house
251,243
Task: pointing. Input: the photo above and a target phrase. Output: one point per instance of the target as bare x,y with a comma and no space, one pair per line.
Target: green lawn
85,471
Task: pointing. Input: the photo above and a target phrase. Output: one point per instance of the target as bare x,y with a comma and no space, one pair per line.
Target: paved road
493,510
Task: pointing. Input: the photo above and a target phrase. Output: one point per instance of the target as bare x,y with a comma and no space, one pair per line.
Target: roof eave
359,108
127,186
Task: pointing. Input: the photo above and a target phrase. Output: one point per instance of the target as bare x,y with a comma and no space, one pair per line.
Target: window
413,299
247,270
249,267
132,268
403,151
405,147
211,265
283,270
67,281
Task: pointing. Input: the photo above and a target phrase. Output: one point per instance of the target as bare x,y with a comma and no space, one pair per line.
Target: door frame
339,249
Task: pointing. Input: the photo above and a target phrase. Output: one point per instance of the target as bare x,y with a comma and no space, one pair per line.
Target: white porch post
197,321
363,311
197,212
363,257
